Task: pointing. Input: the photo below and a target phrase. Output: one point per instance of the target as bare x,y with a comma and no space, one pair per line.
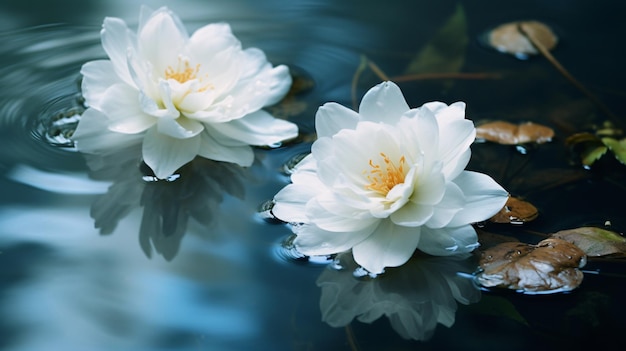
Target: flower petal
258,128
180,128
290,203
389,245
164,154
336,222
313,241
452,202
98,76
161,39
483,198
260,85
211,39
459,135
332,117
448,241
412,214
117,39
383,103
121,106
92,136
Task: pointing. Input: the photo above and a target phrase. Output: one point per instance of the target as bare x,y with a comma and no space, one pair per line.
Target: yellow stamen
382,180
184,73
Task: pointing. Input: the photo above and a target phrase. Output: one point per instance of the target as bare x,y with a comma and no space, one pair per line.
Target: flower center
384,177
184,72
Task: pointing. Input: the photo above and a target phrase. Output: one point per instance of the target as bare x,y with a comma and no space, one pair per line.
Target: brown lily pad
548,267
507,133
508,38
515,211
595,241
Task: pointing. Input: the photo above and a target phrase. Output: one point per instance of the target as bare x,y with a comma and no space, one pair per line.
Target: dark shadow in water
194,192
414,297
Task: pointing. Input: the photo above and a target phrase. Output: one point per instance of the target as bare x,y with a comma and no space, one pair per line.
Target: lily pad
507,133
508,38
595,241
516,211
548,267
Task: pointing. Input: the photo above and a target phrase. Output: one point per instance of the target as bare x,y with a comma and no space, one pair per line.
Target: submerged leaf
509,39
446,50
515,211
550,266
513,134
595,241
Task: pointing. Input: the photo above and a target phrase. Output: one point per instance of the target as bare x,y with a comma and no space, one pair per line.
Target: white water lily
181,96
388,180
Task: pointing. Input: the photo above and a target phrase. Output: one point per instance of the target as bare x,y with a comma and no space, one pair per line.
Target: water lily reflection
415,297
180,96
194,192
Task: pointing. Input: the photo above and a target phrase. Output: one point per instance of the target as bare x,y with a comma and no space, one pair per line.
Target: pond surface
112,261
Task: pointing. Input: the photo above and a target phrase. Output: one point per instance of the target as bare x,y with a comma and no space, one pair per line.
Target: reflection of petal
68,183
415,297
167,205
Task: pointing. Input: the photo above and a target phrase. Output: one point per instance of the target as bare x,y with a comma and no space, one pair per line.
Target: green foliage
445,52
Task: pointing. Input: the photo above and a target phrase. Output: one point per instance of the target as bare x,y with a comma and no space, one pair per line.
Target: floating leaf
592,154
618,147
515,211
548,267
509,39
513,134
446,50
595,241
591,147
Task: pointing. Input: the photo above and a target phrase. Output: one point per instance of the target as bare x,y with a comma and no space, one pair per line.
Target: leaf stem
546,53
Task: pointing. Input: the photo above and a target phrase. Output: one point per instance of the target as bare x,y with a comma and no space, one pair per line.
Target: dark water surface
110,261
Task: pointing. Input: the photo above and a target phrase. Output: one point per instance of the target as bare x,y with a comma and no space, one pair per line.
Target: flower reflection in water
414,297
195,191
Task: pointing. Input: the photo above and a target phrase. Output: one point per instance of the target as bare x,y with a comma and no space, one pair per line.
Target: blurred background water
108,261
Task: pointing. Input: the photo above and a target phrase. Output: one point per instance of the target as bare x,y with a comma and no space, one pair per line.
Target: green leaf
618,147
592,154
445,53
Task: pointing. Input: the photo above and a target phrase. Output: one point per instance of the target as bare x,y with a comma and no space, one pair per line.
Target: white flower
388,180
181,96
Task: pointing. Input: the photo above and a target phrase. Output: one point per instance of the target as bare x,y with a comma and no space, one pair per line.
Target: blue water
107,261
